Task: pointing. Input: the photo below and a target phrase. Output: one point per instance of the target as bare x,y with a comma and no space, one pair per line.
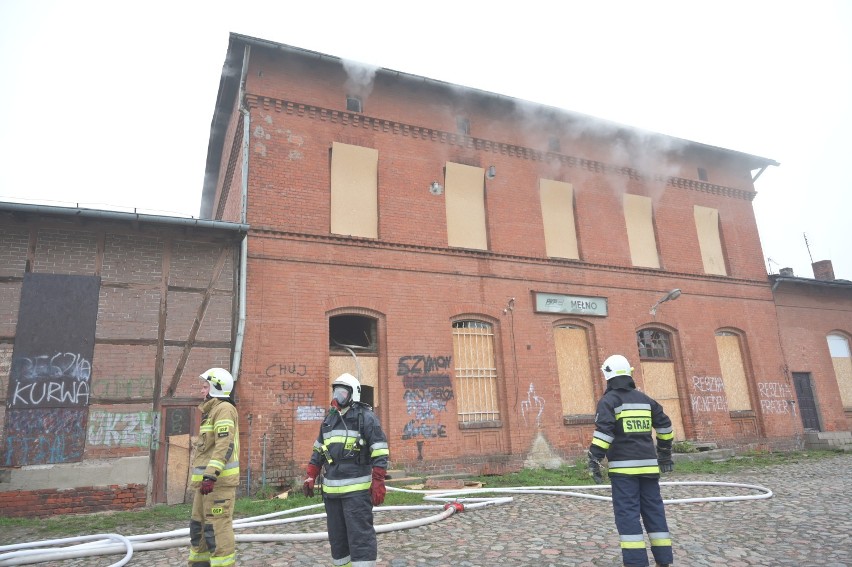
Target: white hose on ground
179,538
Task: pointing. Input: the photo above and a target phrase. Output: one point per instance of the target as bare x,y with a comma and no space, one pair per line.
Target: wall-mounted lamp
436,188
673,294
491,172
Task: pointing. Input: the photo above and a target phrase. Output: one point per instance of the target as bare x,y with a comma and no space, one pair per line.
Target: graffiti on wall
710,396
534,404
428,389
776,398
51,370
122,429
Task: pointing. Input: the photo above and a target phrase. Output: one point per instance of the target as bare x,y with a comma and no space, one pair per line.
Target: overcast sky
108,103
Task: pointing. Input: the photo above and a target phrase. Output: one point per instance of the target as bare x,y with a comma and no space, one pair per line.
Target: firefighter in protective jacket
623,423
215,475
353,451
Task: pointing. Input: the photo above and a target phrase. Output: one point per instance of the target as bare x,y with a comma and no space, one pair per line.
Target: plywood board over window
464,196
841,358
733,372
354,190
639,217
710,240
557,212
661,384
575,376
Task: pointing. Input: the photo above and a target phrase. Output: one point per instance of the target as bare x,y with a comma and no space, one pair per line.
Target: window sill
481,425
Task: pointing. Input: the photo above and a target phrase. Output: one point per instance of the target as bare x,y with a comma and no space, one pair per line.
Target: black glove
207,484
664,458
595,470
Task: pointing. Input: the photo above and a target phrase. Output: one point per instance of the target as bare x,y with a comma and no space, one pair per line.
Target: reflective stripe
379,445
363,563
624,407
342,433
603,437
344,489
341,562
632,545
664,429
223,560
665,436
633,413
222,422
635,470
660,539
206,428
199,556
599,443
632,537
379,453
637,463
345,481
216,464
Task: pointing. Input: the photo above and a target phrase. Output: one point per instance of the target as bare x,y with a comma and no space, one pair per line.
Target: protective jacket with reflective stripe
218,444
348,452
623,423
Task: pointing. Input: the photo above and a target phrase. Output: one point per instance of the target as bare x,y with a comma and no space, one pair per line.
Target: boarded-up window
733,371
839,347
366,369
575,376
476,372
709,240
464,195
354,190
353,347
660,384
557,212
639,216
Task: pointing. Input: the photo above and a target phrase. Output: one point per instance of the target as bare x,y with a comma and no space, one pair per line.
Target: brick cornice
356,120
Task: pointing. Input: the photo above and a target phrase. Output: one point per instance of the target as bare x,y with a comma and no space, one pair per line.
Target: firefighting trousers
635,497
350,530
211,529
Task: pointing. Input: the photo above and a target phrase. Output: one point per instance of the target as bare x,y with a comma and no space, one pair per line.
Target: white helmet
616,365
351,383
221,382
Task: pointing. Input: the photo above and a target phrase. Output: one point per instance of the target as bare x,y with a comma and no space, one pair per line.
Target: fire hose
453,501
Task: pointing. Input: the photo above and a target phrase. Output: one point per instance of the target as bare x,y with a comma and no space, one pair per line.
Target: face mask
340,396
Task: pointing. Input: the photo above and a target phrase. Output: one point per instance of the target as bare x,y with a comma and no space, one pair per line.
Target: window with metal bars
654,343
476,372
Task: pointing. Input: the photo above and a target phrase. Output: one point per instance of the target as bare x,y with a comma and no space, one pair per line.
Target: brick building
474,258
106,321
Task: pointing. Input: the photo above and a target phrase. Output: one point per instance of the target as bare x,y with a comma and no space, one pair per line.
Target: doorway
807,402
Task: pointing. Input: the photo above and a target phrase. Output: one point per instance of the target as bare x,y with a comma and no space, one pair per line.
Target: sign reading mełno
573,304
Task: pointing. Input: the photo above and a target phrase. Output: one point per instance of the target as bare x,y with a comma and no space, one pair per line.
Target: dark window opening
654,344
702,174
353,104
353,332
463,126
554,145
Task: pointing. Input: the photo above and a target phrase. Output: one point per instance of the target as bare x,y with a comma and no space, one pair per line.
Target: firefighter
215,475
352,450
623,423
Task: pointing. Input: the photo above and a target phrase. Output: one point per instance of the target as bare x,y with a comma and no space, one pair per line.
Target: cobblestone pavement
808,522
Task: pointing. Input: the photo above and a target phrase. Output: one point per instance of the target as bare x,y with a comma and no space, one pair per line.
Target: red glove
308,485
207,485
377,487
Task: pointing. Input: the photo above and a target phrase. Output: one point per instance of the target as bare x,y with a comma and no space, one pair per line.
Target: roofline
80,212
779,279
229,86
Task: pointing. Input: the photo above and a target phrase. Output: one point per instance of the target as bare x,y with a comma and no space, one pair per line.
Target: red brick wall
81,500
299,274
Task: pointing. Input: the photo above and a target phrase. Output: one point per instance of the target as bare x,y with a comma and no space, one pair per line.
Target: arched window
476,372
654,344
838,346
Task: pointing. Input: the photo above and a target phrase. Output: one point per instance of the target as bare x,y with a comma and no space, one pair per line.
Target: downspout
241,321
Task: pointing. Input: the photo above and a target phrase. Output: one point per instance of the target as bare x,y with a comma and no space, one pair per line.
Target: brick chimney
786,272
823,270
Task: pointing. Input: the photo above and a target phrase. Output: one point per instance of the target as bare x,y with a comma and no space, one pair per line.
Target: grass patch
163,518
